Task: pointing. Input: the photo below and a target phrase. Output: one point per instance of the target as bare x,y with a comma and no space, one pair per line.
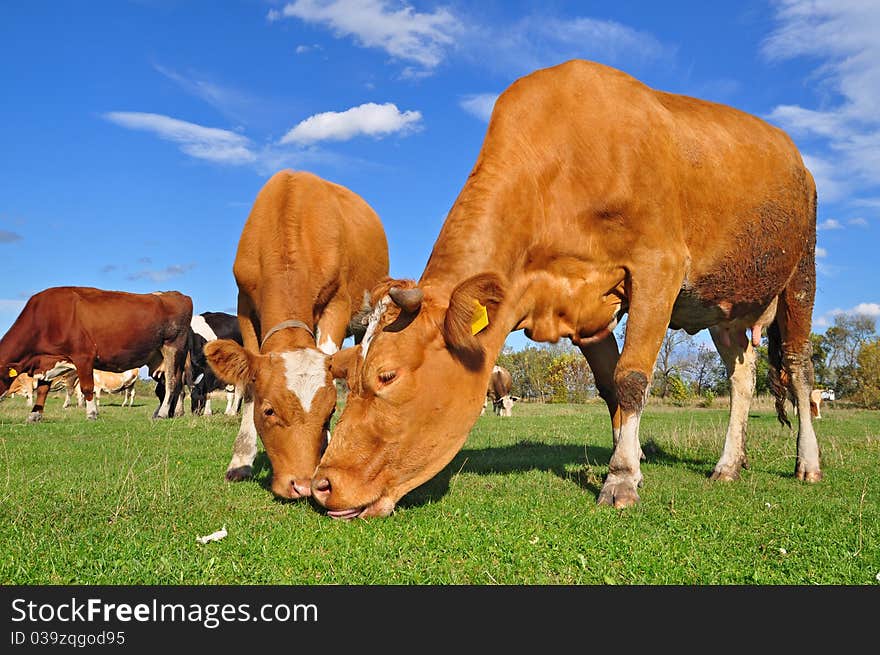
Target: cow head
294,398
416,386
504,405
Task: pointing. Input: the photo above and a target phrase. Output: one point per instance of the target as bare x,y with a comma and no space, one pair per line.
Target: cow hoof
725,474
35,417
239,474
808,476
92,417
618,494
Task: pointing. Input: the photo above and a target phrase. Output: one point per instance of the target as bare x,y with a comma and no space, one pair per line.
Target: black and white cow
205,327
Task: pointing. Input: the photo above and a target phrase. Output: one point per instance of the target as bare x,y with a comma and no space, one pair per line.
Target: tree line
846,358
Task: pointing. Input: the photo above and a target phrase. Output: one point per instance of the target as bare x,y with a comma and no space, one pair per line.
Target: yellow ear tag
12,373
480,318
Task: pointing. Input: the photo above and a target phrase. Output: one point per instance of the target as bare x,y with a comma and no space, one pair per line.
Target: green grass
122,500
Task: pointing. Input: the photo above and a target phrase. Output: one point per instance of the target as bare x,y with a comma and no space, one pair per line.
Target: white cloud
861,222
538,41
210,143
871,309
426,39
230,102
479,104
843,35
369,119
821,252
163,274
830,224
395,27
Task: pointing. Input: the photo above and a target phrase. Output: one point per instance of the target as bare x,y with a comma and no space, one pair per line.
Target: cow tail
777,374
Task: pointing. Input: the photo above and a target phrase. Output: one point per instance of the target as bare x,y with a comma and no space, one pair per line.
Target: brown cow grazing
81,328
498,392
593,196
308,255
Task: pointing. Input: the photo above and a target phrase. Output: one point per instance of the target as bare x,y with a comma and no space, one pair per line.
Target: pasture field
122,500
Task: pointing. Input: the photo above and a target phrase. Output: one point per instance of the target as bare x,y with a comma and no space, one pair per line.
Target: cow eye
269,412
387,376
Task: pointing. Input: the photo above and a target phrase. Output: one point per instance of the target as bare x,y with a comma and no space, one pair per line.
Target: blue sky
136,135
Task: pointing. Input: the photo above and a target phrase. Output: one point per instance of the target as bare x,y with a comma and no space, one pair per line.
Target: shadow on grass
518,458
571,463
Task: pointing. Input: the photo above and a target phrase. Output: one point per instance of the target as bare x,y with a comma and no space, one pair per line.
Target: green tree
843,341
868,375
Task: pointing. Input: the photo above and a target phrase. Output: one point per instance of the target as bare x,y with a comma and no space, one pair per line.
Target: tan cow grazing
498,392
64,329
593,196
309,253
25,385
111,382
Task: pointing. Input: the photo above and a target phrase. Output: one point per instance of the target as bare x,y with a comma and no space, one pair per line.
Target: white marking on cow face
200,326
326,345
496,369
306,373
373,323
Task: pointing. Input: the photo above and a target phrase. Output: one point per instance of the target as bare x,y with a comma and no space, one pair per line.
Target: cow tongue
345,513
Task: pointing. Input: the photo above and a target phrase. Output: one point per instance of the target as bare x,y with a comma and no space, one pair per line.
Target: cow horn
407,299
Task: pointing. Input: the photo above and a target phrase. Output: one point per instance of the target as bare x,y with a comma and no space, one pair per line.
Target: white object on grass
214,536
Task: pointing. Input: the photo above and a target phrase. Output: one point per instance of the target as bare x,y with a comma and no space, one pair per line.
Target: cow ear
473,307
229,361
344,362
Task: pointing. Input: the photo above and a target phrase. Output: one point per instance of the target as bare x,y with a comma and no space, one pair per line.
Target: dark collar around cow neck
286,325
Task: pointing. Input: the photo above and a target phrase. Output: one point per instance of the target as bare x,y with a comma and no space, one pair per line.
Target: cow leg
602,358
173,358
42,393
85,372
650,308
244,449
739,358
790,334
233,400
208,411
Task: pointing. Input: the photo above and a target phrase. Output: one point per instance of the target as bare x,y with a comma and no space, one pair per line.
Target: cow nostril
322,485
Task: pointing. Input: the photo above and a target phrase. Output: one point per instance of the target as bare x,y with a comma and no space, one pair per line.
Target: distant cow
83,328
206,327
498,392
25,385
110,382
308,254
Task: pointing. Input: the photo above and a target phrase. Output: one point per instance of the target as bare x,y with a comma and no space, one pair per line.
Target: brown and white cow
81,328
593,196
498,393
309,253
114,383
